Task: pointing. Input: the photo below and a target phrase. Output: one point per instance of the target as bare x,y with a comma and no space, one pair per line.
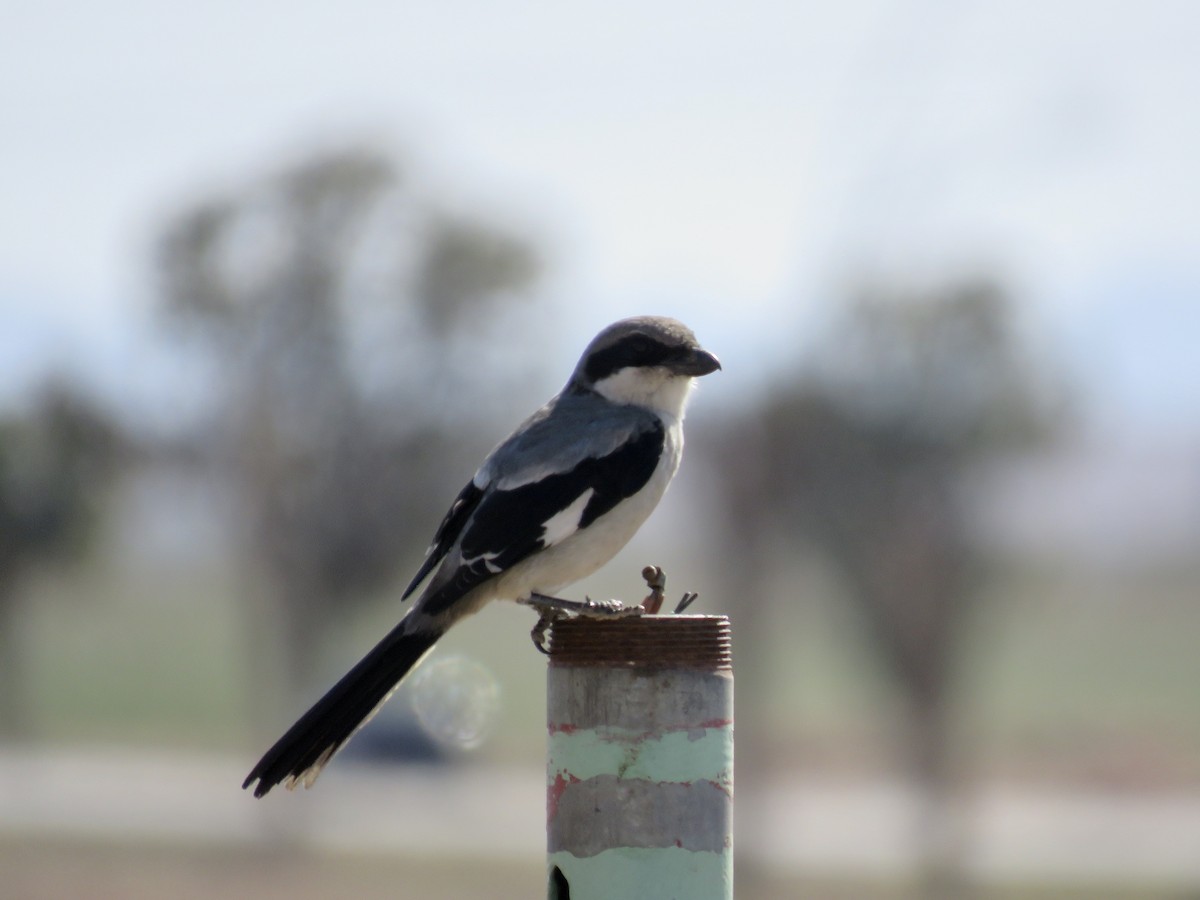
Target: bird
551,503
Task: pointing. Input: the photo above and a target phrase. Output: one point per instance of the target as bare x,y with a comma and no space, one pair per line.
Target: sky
738,166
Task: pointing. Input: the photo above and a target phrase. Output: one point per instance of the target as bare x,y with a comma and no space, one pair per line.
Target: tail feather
303,751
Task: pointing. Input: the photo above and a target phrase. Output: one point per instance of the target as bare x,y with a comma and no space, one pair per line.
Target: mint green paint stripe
679,756
635,874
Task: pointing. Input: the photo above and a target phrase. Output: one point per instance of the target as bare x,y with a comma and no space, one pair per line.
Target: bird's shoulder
569,430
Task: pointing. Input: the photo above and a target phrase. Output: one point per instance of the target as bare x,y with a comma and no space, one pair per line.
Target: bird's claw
551,609
538,633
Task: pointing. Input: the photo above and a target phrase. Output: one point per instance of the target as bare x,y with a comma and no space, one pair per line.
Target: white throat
658,389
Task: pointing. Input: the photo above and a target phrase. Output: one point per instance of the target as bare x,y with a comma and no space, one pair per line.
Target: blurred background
275,276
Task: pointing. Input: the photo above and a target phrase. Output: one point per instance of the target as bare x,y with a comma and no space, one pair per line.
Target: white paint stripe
607,812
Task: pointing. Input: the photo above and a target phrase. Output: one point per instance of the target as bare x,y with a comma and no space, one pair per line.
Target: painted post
640,761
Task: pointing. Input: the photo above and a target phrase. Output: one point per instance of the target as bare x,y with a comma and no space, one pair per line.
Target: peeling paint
676,756
640,782
554,793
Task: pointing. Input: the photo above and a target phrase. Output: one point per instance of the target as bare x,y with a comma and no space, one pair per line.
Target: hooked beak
696,363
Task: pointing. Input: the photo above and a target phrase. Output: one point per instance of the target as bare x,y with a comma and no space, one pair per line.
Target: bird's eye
634,351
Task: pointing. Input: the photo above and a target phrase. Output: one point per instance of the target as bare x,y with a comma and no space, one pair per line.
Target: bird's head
648,361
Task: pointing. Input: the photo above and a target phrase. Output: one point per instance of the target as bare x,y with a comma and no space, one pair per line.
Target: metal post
640,761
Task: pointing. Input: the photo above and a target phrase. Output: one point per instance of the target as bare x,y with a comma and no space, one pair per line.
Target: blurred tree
55,459
339,308
864,457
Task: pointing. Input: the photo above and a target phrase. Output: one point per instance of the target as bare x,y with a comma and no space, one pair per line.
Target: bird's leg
599,609
553,606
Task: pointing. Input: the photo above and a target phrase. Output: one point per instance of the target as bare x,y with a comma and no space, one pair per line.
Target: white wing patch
488,560
565,523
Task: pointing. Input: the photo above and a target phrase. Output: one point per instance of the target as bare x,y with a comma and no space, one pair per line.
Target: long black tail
308,745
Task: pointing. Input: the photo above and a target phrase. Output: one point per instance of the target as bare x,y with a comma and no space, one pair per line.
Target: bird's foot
538,633
554,606
550,609
608,609
599,609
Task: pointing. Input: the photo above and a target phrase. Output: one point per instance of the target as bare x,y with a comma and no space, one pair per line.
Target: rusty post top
643,642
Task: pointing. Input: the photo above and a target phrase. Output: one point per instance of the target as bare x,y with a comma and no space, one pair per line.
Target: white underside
585,551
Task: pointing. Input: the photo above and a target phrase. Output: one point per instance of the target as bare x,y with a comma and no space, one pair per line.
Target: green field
1066,681
1095,678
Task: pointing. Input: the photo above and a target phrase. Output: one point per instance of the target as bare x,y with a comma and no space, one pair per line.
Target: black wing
509,525
447,533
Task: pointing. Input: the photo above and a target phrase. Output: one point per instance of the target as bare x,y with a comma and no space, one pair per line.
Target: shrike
551,504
